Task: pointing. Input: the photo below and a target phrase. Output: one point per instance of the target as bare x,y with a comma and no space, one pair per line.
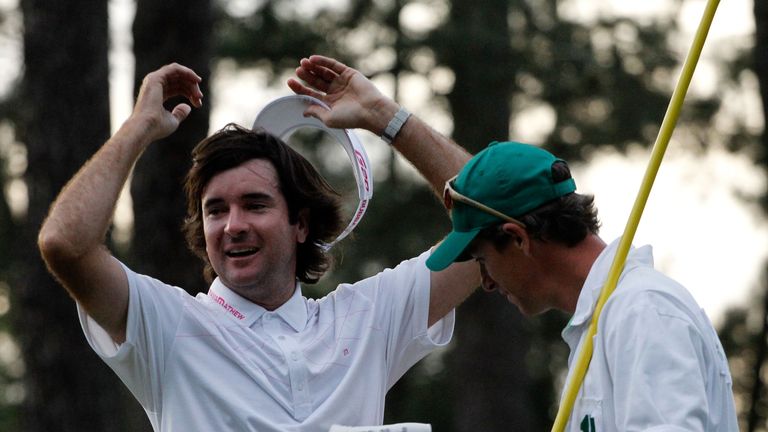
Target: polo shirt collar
294,311
245,312
242,310
598,274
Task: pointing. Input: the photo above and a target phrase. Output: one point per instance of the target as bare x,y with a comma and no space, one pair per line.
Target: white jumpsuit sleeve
656,358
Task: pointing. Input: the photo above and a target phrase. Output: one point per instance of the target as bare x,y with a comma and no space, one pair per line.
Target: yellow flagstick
657,154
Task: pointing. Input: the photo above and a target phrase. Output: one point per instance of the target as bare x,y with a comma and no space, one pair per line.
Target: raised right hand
355,102
167,82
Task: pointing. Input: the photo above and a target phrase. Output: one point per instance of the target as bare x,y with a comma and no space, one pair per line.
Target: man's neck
268,298
577,263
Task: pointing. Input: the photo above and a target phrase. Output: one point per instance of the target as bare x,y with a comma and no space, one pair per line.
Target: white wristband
397,122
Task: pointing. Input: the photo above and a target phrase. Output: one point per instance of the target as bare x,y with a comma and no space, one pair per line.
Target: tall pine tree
64,119
164,32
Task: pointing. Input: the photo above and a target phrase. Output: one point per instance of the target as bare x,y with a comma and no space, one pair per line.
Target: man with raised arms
253,354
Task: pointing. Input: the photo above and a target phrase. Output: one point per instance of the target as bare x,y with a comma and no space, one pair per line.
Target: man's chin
240,279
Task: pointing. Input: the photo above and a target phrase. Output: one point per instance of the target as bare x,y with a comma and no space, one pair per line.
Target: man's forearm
80,216
437,157
71,239
356,103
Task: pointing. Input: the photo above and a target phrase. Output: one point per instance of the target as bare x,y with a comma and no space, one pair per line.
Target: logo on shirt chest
587,424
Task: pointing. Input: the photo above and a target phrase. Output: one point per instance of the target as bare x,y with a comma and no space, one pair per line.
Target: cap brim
451,249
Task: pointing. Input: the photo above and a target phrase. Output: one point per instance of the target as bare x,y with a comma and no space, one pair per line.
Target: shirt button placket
297,368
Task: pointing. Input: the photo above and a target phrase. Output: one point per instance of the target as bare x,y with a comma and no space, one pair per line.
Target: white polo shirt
657,364
218,362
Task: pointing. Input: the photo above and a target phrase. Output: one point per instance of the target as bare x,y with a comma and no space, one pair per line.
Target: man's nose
236,224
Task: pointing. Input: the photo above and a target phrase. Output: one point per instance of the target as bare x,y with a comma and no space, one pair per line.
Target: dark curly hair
301,185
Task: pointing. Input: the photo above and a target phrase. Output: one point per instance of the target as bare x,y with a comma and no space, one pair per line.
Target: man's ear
520,238
302,225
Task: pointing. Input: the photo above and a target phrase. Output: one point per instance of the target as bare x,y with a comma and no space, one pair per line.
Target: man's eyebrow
252,196
211,202
257,196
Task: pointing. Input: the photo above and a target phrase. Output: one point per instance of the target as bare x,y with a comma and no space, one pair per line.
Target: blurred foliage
154,182
740,339
8,379
64,117
11,365
745,342
608,82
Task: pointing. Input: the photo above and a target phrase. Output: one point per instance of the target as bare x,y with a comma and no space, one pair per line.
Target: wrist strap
394,126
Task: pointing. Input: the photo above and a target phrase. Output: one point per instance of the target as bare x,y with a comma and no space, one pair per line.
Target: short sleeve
402,303
154,313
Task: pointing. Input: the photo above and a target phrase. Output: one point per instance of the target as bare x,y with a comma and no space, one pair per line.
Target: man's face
510,272
249,241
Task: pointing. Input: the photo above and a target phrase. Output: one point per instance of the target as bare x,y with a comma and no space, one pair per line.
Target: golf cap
505,179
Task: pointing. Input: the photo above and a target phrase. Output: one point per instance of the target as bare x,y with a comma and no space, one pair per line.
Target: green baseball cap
504,181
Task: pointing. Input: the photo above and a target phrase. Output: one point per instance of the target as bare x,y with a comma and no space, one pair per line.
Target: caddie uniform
218,362
657,363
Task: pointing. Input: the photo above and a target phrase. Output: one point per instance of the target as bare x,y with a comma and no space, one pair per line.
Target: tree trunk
761,70
491,387
65,118
164,32
481,57
756,415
